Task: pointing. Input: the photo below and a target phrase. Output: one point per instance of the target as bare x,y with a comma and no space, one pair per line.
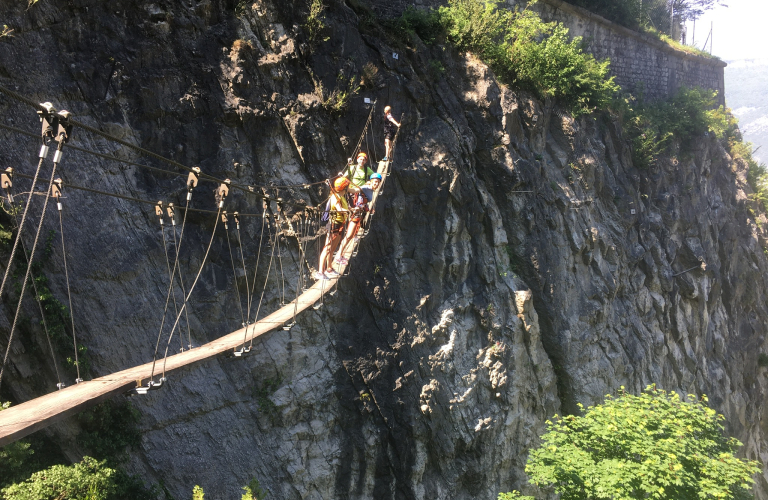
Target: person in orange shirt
339,213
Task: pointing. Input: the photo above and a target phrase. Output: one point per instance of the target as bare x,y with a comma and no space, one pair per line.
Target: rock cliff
518,263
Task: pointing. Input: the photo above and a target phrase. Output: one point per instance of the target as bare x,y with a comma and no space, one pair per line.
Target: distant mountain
746,93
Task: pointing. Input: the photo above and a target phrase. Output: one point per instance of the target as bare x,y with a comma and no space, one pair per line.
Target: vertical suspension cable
181,279
29,266
234,273
170,285
192,288
245,272
69,291
59,384
266,279
170,276
255,272
43,154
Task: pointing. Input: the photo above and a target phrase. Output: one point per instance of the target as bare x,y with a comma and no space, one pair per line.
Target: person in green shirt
359,173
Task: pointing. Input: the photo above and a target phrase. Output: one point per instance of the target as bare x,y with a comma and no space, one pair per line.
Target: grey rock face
474,311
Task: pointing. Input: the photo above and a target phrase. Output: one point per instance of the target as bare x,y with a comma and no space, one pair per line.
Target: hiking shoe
320,276
385,159
331,273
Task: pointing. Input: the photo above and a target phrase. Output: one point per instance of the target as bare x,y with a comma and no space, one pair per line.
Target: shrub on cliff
654,445
87,480
522,50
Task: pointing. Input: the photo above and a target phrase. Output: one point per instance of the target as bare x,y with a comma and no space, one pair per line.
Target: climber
359,207
390,129
358,173
339,212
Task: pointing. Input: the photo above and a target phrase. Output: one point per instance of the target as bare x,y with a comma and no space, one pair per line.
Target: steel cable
192,288
29,268
69,292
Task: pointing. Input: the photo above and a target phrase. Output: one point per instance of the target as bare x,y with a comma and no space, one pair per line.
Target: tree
654,445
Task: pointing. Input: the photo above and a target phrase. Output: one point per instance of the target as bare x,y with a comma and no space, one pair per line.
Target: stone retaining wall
641,63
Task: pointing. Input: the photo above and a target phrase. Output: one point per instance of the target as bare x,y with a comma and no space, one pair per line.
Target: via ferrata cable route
304,225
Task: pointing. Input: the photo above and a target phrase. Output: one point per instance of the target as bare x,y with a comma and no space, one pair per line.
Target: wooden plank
23,419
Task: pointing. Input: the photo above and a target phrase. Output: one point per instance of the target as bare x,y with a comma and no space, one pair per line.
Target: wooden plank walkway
23,419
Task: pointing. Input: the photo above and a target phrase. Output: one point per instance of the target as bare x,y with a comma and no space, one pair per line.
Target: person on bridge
358,173
359,207
390,129
339,213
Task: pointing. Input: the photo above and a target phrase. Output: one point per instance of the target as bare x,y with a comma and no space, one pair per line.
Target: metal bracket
151,386
222,191
6,178
50,121
192,178
64,130
56,188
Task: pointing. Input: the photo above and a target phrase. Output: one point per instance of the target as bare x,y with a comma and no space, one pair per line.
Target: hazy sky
739,30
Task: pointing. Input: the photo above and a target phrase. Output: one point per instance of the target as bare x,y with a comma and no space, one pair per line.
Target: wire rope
255,272
69,291
21,228
234,274
170,276
29,269
264,288
192,288
170,288
37,296
245,272
181,284
242,187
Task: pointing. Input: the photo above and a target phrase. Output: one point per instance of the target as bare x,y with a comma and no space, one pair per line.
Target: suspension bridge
23,419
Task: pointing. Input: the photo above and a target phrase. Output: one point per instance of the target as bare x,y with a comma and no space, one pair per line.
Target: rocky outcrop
518,263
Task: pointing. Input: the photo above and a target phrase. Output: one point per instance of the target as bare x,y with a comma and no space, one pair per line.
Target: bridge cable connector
222,191
6,181
171,213
50,126
224,219
159,211
192,180
63,133
56,188
236,216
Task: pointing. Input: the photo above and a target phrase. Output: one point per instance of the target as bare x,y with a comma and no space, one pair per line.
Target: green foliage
426,23
315,23
254,491
514,495
521,49
338,100
198,493
762,360
654,445
688,115
109,429
241,7
263,393
6,31
558,67
87,480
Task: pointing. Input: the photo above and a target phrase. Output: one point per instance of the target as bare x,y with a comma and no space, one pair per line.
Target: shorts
336,228
390,134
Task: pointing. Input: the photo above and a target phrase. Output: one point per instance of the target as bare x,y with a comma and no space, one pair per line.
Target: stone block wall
640,62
